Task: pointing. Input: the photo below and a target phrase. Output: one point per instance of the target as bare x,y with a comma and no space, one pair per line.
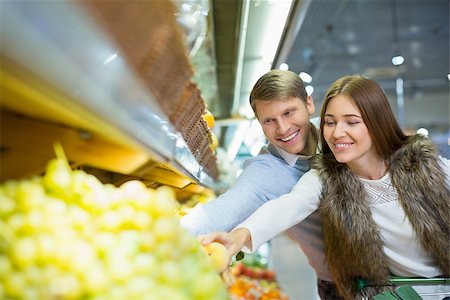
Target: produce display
252,283
197,199
66,235
249,276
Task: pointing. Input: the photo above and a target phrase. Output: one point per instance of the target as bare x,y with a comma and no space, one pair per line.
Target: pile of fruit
197,199
252,283
255,272
65,235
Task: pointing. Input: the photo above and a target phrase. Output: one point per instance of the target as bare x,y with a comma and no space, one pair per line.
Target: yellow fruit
219,255
209,118
214,142
65,235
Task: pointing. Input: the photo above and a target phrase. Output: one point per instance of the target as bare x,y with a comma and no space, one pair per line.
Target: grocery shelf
59,67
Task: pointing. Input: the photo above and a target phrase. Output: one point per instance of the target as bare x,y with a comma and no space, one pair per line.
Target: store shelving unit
66,78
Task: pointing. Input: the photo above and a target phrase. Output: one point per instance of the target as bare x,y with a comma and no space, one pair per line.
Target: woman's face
346,133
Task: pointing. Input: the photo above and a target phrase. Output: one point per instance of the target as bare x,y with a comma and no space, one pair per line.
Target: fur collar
353,245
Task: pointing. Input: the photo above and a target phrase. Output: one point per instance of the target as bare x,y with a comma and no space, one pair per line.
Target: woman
384,197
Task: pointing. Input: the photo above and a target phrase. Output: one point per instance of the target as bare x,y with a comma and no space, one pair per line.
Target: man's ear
310,105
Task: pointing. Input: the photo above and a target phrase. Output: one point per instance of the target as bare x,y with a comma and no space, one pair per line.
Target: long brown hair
370,99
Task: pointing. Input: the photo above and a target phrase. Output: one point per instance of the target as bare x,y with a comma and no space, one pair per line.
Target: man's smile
290,137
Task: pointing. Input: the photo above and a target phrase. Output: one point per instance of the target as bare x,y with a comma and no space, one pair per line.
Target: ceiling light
309,89
353,49
448,76
305,77
422,131
398,60
284,67
110,58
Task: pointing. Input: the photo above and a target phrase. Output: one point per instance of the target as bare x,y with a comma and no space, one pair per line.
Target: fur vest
354,248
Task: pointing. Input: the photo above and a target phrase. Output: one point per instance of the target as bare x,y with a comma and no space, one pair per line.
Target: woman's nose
339,130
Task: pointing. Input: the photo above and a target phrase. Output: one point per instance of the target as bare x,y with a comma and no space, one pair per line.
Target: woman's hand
233,241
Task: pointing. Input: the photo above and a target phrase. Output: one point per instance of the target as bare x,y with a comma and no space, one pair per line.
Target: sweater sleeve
445,163
262,179
284,212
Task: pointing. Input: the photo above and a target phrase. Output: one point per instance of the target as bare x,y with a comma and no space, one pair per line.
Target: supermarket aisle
294,274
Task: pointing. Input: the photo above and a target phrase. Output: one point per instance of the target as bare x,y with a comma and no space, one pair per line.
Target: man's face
285,122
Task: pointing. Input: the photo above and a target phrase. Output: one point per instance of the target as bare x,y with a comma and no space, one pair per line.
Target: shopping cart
406,288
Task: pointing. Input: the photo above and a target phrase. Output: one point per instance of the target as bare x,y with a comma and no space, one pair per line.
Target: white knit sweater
405,256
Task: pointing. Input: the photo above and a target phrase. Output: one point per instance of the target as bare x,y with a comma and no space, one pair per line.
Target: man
283,109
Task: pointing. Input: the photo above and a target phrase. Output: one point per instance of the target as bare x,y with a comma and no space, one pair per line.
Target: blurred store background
403,44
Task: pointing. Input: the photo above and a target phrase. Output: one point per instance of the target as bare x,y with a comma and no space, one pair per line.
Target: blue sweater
264,177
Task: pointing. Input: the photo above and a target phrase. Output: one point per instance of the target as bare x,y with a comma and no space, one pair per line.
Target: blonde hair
277,84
